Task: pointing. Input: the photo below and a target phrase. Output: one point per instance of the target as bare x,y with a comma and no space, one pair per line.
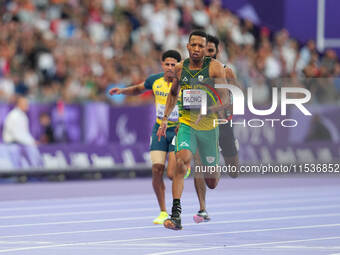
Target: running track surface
250,215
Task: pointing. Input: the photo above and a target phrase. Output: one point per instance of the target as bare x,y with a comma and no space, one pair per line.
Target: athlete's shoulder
156,76
151,80
178,69
179,65
216,69
230,74
215,62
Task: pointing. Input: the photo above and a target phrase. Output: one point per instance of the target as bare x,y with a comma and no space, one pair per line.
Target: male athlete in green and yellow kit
194,79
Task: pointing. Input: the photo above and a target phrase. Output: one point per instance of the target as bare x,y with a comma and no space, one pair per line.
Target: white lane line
223,203
192,224
240,194
270,219
140,227
76,199
305,247
127,201
72,199
156,244
63,206
40,215
184,215
175,237
74,222
24,242
83,231
244,245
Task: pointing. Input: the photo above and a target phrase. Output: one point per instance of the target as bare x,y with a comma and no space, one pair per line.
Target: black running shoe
173,223
201,216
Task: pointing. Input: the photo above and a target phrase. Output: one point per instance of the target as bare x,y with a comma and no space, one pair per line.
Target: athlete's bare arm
130,91
217,72
171,100
230,76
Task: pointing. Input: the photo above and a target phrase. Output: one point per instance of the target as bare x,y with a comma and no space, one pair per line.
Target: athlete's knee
157,170
197,173
170,175
171,165
211,183
234,165
181,166
179,160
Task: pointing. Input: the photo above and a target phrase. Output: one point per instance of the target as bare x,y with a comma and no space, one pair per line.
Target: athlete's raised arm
129,91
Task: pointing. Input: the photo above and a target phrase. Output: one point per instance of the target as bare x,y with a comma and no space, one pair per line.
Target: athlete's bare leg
201,180
158,185
171,165
199,183
233,161
183,158
200,189
158,165
212,179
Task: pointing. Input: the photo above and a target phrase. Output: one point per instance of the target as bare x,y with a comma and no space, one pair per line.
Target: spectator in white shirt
16,125
7,88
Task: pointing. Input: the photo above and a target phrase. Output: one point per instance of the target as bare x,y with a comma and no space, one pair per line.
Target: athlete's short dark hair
214,40
198,33
172,54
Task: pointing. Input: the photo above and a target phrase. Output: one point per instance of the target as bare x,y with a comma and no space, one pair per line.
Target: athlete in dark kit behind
228,144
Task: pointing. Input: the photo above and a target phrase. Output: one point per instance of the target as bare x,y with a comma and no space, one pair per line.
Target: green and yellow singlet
195,85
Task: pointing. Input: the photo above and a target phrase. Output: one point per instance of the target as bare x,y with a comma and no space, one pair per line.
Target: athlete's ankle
176,208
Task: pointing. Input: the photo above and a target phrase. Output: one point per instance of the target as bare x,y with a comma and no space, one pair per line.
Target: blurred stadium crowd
73,50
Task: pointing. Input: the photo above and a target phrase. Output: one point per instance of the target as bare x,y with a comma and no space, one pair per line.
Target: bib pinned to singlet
194,99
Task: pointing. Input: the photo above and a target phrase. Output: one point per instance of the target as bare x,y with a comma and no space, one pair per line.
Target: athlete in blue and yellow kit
194,80
160,84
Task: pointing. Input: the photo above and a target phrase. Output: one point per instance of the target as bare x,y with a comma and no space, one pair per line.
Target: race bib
194,99
173,116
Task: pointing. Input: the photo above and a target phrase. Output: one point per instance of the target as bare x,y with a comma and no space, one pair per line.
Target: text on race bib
160,112
194,98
